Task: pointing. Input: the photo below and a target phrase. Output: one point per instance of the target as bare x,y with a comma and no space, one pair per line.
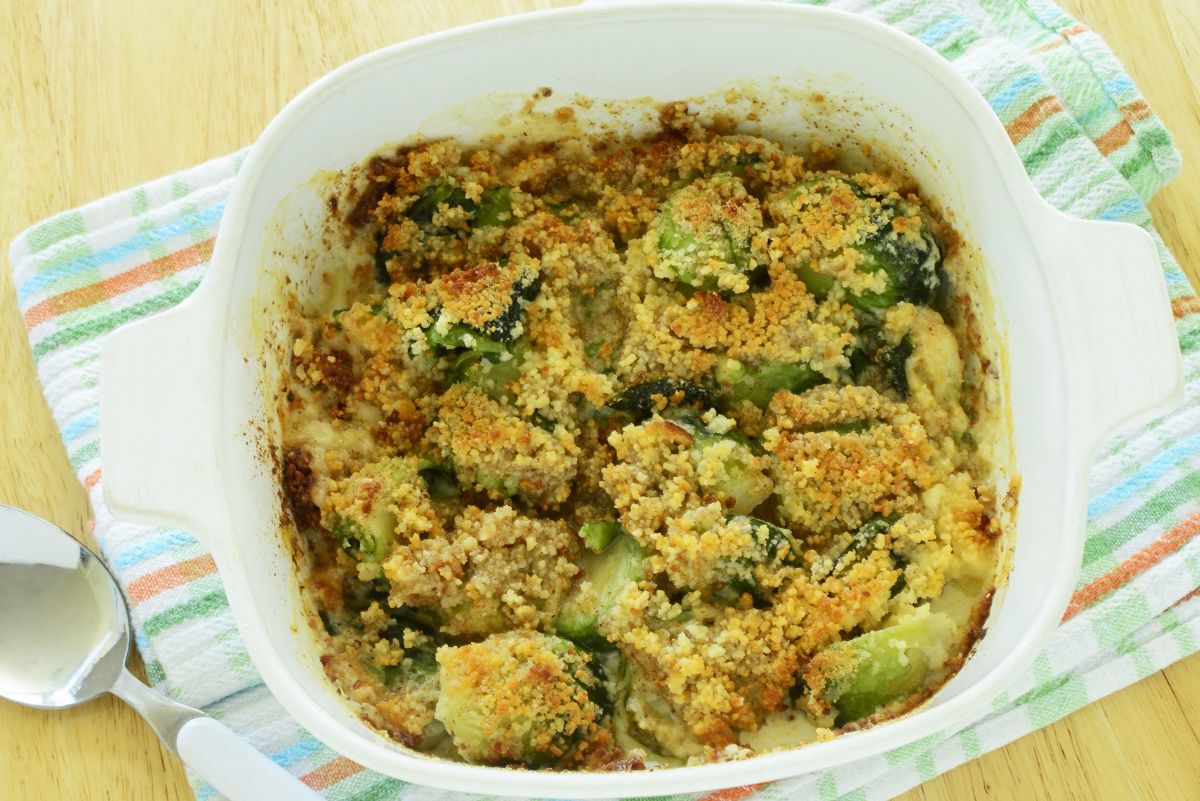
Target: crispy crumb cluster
607,453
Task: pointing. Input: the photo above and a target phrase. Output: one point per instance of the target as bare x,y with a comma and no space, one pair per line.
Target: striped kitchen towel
1092,147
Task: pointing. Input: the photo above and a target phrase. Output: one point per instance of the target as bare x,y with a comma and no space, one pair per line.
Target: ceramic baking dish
186,419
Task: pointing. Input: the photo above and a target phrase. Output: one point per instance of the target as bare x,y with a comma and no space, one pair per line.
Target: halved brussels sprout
907,265
597,534
364,523
495,207
703,235
648,397
606,574
728,466
518,698
858,677
759,384
772,545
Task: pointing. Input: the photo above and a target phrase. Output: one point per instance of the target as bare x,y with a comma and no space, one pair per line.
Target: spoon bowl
64,639
64,626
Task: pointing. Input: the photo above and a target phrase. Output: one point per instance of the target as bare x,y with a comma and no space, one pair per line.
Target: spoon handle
235,768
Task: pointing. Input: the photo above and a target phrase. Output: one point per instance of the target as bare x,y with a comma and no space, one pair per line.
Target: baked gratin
608,453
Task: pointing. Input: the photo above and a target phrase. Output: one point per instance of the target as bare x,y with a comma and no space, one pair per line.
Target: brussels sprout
503,327
909,266
728,466
773,545
418,666
597,534
759,384
703,235
440,481
894,362
497,485
443,191
518,698
606,574
383,257
364,524
650,717
644,399
819,285
498,331
860,544
857,677
368,540
495,207
911,270
776,543
479,360
459,337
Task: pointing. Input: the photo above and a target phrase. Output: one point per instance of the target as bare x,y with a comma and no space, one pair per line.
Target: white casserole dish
1091,344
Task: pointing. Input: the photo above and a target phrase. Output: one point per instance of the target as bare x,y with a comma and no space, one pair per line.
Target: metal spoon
64,639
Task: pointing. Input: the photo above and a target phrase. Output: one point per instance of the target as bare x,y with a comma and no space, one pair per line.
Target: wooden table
97,97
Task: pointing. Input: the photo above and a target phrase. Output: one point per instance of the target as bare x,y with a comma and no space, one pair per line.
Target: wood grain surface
95,97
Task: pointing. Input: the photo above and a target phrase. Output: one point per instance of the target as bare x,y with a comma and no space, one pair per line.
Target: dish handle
159,420
1116,324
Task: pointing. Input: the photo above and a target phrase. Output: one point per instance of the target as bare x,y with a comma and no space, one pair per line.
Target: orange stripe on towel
170,577
1139,563
1029,119
1114,137
91,479
1137,110
119,284
732,793
1183,306
332,772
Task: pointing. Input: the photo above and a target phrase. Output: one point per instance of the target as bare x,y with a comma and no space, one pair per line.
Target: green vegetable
505,486
439,479
460,336
383,257
738,164
704,233
861,675
370,538
365,527
359,541
495,207
504,327
567,211
773,545
419,665
443,191
597,534
910,267
643,399
857,427
818,284
745,480
860,545
485,362
894,362
607,574
759,384
331,625
912,271
526,708
777,543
